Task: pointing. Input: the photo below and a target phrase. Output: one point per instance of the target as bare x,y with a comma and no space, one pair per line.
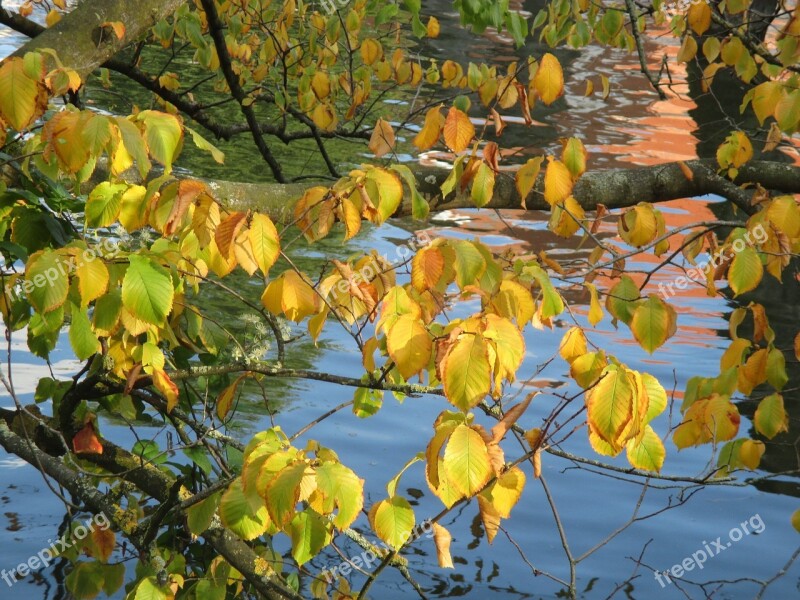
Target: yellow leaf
466,460
409,345
526,178
431,130
458,130
371,51
118,27
746,271
483,185
467,372
92,279
638,226
427,268
610,405
595,310
442,539
765,99
750,453
566,217
433,30
549,79
573,344
225,400
505,491
688,49
264,242
52,18
558,182
325,117
392,520
291,295
699,17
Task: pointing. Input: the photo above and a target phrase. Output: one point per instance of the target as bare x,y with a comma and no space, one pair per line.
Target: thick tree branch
79,38
614,188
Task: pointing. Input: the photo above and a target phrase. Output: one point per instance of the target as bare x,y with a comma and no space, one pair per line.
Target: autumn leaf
86,441
458,130
382,141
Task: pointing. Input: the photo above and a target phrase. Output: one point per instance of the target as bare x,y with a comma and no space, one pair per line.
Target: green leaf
210,590
622,298
552,303
745,272
771,417
202,143
113,578
419,206
483,185
653,323
648,452
148,589
85,581
83,340
309,533
46,280
466,460
470,263
104,204
392,520
147,290
164,135
200,515
367,402
237,515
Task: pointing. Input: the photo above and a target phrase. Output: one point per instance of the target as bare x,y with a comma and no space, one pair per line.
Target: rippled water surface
632,128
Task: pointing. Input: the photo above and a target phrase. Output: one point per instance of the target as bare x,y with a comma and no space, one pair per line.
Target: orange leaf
382,141
227,232
687,172
188,191
458,130
167,388
86,441
104,543
117,26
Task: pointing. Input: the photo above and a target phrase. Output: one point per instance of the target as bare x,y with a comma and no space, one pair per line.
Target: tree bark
79,38
614,188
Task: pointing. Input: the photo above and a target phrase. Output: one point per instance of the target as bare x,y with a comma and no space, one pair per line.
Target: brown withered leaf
491,154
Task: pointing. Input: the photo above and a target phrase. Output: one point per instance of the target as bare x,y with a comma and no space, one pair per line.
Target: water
633,127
